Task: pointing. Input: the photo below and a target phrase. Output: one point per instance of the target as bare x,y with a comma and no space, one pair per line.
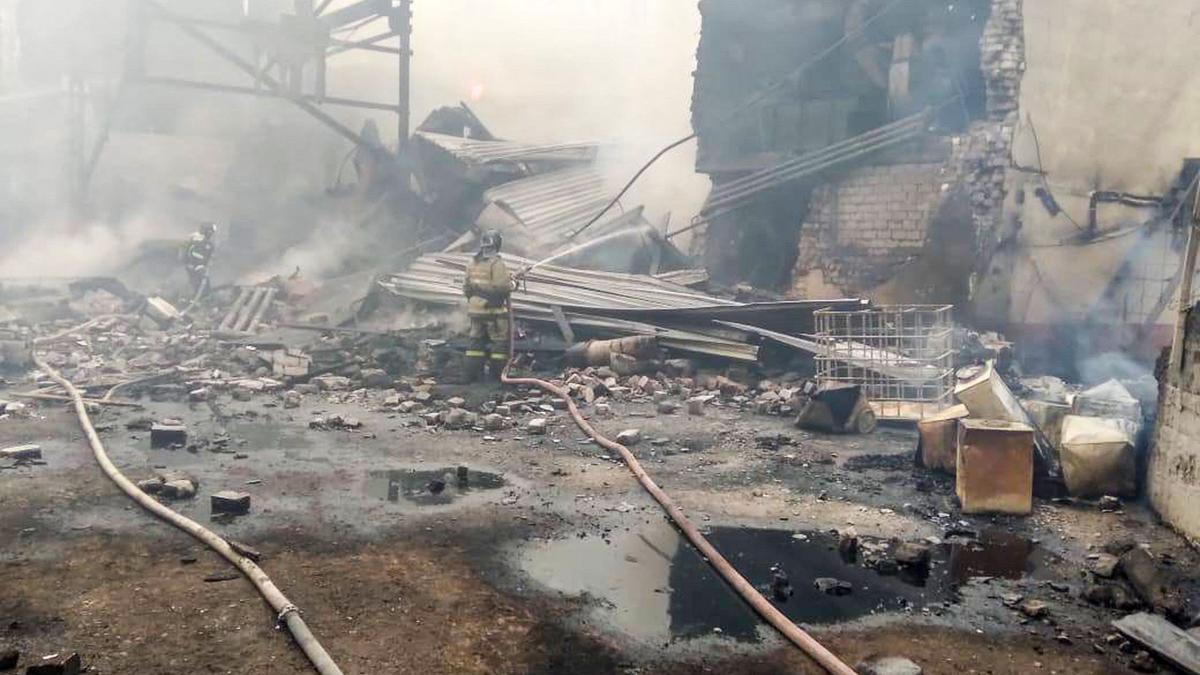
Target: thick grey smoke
618,71
612,70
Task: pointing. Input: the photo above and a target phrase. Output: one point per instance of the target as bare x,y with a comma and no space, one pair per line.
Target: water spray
576,249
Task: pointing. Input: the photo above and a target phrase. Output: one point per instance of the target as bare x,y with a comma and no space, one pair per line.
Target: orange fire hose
815,650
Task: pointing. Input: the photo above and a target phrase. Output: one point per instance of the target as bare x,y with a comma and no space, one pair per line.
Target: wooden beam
1163,638
563,325
67,399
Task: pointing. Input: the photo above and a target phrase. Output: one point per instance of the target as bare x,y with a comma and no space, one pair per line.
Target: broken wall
862,227
1107,103
882,223
1172,478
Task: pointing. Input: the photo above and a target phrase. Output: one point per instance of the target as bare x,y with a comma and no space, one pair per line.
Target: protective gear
489,344
474,361
487,287
196,255
490,242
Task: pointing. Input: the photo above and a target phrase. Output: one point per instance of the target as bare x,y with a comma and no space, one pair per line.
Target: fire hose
797,636
287,613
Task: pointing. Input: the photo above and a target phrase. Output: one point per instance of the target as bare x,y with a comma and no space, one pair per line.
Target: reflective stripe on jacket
487,286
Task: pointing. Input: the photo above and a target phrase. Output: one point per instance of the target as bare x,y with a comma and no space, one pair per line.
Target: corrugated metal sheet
607,303
476,152
437,279
553,205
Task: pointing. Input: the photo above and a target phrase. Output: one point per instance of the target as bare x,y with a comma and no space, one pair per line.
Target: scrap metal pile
545,198
605,304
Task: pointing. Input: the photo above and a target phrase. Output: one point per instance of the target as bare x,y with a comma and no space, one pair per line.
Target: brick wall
860,228
1173,474
986,150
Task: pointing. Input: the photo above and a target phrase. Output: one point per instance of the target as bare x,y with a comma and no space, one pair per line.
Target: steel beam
359,11
250,69
403,26
235,89
367,44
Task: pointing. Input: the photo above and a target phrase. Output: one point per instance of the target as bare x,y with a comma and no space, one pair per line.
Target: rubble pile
635,348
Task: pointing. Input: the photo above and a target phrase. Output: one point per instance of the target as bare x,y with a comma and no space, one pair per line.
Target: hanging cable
758,98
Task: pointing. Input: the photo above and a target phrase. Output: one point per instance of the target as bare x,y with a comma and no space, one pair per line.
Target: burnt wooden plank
1163,638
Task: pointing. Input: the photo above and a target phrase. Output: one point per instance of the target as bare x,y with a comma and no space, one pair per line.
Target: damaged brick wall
859,229
1172,476
862,228
986,150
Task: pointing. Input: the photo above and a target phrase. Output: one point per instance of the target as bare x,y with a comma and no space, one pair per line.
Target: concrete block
629,437
290,363
458,418
228,501
180,488
56,664
667,407
164,435
162,312
331,382
375,377
292,399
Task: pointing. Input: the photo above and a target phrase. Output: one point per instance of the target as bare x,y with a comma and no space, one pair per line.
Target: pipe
242,320
288,613
720,205
243,296
599,352
815,650
817,160
256,318
915,120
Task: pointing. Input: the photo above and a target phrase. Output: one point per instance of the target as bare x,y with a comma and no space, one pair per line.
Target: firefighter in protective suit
197,253
487,287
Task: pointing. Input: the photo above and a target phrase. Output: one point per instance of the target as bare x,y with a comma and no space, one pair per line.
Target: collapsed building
870,163
950,153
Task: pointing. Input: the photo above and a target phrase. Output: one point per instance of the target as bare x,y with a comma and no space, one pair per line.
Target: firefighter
197,254
487,287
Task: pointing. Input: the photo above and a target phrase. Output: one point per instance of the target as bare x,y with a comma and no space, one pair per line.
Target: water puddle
651,585
994,553
430,487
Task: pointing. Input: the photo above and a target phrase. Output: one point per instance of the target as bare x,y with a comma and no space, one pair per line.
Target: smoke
1097,368
321,255
617,71
61,249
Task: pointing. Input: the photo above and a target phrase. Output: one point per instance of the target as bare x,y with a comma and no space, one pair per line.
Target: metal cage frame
901,355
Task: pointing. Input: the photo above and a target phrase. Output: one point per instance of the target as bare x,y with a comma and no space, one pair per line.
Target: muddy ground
550,560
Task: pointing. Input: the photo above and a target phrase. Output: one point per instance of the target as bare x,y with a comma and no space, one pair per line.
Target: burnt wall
1173,478
868,227
987,147
862,227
